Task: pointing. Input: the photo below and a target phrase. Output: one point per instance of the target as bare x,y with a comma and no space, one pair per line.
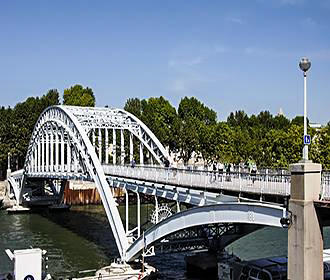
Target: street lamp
304,65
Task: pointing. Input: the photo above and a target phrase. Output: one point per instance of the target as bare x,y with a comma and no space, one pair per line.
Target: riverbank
2,189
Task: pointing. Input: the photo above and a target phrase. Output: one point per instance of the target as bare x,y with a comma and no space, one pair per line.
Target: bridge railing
260,183
325,185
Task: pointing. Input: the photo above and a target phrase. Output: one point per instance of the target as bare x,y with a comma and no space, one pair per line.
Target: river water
81,239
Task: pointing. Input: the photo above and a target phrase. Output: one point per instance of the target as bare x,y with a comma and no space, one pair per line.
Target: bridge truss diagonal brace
246,213
63,118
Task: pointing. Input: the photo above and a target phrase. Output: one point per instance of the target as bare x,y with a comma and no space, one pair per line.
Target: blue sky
231,55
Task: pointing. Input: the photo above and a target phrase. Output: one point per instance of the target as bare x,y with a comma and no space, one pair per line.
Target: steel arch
94,117
64,118
247,213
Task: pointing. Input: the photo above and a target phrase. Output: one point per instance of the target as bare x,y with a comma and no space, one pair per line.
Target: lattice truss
210,236
55,145
74,142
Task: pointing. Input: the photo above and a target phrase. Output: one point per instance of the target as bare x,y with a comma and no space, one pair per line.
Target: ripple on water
81,239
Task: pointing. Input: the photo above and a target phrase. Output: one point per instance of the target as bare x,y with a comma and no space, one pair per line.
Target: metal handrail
267,183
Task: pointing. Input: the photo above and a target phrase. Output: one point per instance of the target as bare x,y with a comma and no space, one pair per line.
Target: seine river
81,239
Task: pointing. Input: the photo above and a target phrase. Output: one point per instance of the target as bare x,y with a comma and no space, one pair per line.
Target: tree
52,97
320,147
239,118
193,108
134,106
160,116
281,122
299,120
194,132
189,136
79,96
265,119
16,126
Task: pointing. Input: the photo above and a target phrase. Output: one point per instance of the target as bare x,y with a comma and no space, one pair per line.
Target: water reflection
81,239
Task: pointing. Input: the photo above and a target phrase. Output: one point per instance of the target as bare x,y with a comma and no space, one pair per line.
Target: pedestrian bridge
79,143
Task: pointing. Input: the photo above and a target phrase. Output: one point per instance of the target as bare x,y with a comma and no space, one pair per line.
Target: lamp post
304,65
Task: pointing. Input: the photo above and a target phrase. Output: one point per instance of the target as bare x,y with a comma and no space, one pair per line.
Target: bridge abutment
305,240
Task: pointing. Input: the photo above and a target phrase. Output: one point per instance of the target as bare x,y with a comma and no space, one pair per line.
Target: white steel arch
61,148
92,118
247,213
57,132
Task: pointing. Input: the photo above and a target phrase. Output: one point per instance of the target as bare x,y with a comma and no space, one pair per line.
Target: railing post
42,152
47,149
122,147
106,146
267,179
239,178
62,152
126,211
114,146
100,144
52,150
138,214
156,206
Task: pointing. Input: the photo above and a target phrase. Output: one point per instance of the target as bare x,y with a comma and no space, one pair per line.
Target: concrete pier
305,241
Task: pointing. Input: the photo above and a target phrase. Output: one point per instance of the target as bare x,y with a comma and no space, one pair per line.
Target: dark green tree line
16,124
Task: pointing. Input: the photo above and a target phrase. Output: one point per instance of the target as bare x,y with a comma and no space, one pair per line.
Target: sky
231,55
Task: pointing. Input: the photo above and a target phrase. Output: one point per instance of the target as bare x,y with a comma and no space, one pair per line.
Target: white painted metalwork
325,185
179,194
276,184
68,128
259,214
117,119
160,213
73,142
61,148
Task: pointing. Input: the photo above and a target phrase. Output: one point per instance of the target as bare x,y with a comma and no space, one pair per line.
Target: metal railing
325,185
261,183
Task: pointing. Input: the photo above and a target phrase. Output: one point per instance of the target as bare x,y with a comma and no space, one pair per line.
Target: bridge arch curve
67,126
245,213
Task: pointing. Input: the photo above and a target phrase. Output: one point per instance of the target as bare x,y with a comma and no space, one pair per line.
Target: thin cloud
219,49
257,51
178,86
235,20
309,22
185,62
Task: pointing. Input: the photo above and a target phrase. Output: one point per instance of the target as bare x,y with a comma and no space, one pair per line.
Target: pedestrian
253,173
228,172
133,163
215,170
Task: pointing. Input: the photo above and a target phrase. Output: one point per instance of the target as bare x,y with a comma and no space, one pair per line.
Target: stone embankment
83,193
5,202
2,189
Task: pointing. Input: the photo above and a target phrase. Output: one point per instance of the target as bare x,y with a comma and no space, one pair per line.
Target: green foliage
159,115
191,108
299,120
270,141
134,106
239,118
79,96
16,126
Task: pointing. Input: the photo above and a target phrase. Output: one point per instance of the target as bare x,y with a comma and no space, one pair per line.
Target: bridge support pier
305,241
